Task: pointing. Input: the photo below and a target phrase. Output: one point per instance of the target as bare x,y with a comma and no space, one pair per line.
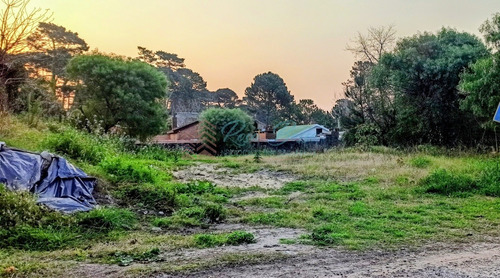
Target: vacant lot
347,212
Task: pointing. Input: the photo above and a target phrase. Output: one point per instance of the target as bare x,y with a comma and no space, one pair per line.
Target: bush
21,209
231,128
150,196
76,145
107,219
208,240
208,213
240,237
234,238
126,170
446,183
214,213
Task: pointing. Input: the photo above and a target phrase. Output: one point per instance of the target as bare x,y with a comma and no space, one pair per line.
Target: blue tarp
58,184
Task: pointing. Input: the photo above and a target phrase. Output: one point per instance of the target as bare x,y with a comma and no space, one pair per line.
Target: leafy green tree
424,73
122,94
368,99
51,47
491,31
481,88
307,112
268,98
231,128
181,79
226,97
480,85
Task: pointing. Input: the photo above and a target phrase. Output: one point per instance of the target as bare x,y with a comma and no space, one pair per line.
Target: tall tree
51,47
371,46
491,31
268,98
17,23
424,73
226,97
480,85
370,99
120,93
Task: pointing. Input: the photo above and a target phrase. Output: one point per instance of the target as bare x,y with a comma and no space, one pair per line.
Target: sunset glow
229,42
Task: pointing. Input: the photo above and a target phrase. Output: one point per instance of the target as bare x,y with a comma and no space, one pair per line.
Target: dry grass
347,166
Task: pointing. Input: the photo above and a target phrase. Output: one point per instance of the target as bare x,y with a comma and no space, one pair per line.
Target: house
305,133
186,137
187,133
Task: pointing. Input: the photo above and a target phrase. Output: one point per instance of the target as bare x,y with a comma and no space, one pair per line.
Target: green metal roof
289,131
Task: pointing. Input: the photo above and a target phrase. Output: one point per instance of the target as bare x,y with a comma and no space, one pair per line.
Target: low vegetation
358,199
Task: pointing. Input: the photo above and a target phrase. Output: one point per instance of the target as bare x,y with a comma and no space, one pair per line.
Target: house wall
188,133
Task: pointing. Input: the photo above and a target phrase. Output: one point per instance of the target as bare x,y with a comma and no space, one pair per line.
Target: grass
382,198
377,198
233,238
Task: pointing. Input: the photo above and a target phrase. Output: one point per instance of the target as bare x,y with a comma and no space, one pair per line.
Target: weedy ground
150,223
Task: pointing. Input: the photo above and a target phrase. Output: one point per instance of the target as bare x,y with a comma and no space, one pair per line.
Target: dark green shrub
76,145
128,170
150,196
214,213
446,183
107,219
231,128
234,238
209,240
240,237
209,213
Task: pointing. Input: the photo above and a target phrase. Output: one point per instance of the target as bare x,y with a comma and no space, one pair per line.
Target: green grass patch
233,238
420,162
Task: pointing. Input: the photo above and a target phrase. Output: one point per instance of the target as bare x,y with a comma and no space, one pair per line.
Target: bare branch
371,46
17,23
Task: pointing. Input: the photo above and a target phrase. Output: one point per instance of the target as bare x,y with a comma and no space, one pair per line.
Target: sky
229,42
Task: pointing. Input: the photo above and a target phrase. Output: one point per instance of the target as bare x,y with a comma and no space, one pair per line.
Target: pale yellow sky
230,41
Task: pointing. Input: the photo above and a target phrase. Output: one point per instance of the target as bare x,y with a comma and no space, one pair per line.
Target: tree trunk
4,98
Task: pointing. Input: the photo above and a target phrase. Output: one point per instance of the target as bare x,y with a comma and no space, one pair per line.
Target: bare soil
227,177
473,259
439,260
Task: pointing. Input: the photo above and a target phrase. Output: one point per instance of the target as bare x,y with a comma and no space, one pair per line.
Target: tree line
439,88
49,71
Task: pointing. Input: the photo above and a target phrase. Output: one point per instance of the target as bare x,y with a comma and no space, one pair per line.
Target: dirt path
440,260
227,177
